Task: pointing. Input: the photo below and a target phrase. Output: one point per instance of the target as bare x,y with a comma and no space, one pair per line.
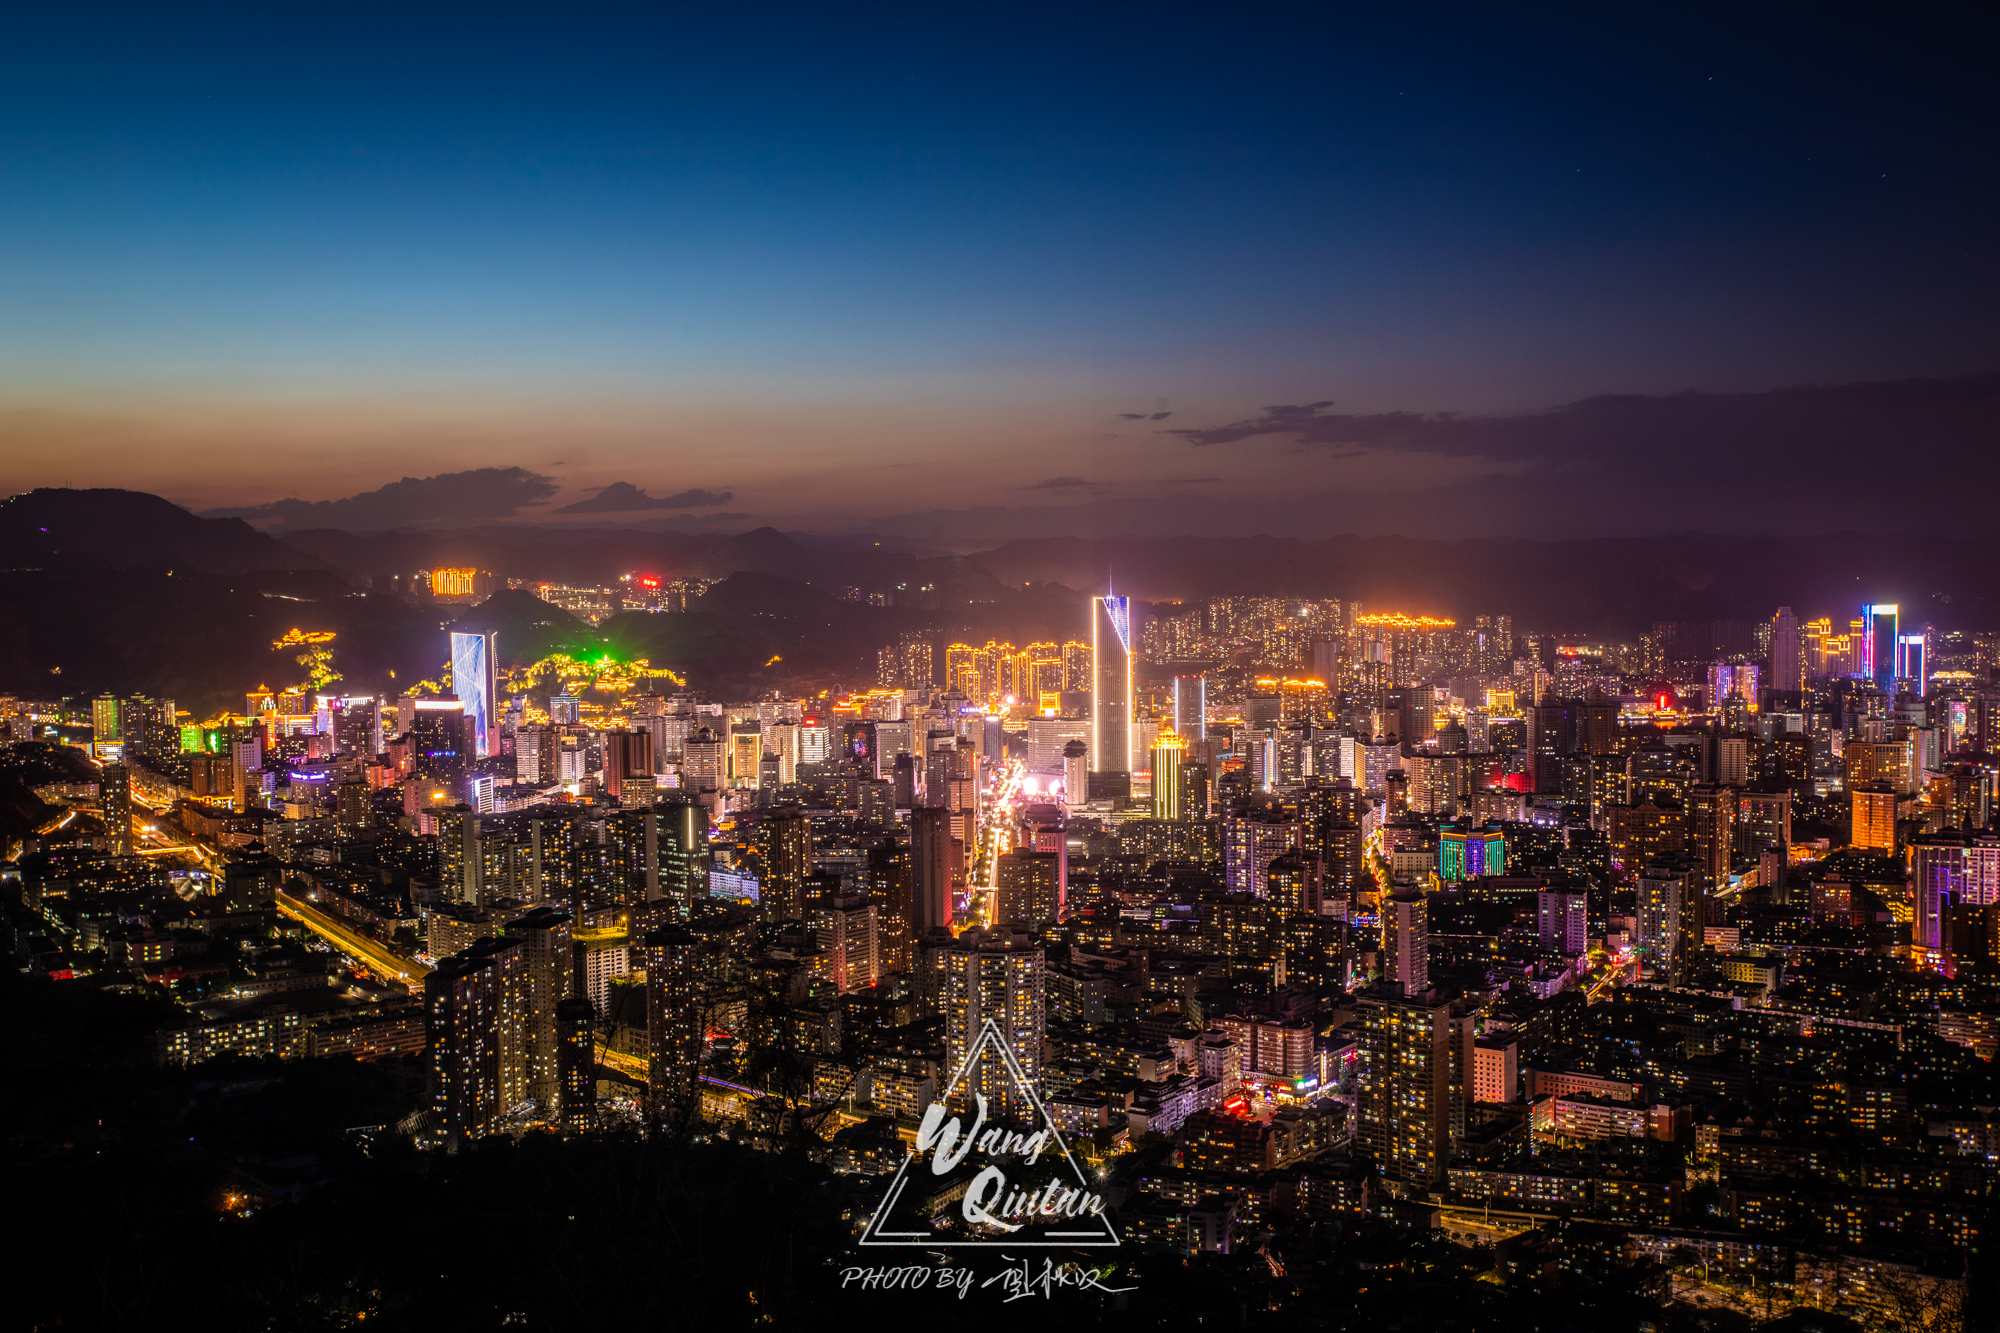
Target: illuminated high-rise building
1872,818
1412,1046
550,969
1913,660
1169,790
684,860
784,849
475,674
1560,922
1250,842
576,1066
461,1010
674,1022
459,865
1191,708
1111,697
510,1016
1465,852
1029,888
1668,917
1406,941
114,798
1882,628
104,729
994,976
933,861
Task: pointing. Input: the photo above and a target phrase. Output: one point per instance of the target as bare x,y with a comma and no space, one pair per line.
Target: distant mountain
111,529
1616,586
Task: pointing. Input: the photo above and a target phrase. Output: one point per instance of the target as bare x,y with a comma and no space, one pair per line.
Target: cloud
1055,484
1188,481
1800,435
450,497
623,497
1131,416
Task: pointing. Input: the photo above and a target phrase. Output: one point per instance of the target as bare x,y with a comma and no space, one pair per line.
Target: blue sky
247,254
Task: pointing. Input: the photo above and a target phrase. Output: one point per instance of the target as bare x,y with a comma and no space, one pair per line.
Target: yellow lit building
1873,819
1169,788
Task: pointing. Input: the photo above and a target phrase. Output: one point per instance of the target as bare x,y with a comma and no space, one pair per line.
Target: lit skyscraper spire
1111,697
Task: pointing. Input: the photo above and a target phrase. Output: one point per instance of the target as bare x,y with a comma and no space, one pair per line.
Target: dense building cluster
1297,922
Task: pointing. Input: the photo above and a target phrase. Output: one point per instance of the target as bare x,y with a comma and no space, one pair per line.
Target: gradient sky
897,265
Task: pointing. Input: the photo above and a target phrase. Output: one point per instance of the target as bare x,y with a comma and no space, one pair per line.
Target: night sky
1009,271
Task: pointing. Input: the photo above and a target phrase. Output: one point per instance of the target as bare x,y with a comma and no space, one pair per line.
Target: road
994,841
372,954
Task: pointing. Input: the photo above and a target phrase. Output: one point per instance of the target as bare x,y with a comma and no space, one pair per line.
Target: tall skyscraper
845,926
1407,1087
544,933
475,675
784,846
114,799
1787,652
994,975
510,1016
632,857
1191,708
1669,913
674,1021
684,860
1169,791
459,863
461,1008
1406,941
1711,812
576,1066
1111,697
1881,629
932,857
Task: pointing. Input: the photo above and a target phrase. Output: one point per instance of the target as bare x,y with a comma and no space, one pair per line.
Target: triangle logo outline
876,1234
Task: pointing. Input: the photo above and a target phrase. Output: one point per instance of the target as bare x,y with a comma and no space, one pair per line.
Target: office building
1191,708
1881,631
475,672
681,833
1466,852
1787,653
1111,698
1169,789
